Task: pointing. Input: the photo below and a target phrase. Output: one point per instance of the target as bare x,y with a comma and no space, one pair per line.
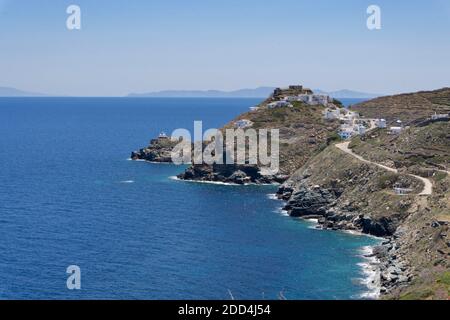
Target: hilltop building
163,135
279,104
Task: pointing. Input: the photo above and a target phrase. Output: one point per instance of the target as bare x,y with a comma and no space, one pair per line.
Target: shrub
387,180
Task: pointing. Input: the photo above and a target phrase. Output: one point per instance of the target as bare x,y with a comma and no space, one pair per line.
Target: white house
163,135
332,114
436,116
396,130
359,129
242,124
314,99
322,99
279,104
254,108
291,98
402,191
346,133
306,98
381,123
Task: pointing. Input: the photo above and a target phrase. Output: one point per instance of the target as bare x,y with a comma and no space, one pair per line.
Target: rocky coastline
320,181
232,174
318,203
160,149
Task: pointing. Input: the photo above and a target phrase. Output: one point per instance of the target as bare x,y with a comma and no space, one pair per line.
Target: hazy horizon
151,46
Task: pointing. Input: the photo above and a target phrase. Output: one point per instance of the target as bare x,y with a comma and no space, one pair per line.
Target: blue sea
70,196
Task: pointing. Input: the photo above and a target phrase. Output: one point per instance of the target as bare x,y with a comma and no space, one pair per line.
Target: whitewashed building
360,129
279,104
305,98
332,114
346,133
291,98
396,130
322,99
242,124
437,116
381,123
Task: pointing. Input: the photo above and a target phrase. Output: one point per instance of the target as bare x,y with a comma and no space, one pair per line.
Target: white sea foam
358,233
206,182
153,162
127,181
272,196
371,274
282,212
314,224
220,183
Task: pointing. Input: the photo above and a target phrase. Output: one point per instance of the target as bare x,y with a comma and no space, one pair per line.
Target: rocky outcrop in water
235,174
159,150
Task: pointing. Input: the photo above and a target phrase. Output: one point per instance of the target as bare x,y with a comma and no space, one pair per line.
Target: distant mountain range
260,92
349,94
13,92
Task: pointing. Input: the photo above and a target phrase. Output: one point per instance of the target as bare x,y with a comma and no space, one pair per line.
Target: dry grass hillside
426,147
303,131
406,107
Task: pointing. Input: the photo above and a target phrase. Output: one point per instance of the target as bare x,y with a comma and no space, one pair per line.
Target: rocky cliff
159,150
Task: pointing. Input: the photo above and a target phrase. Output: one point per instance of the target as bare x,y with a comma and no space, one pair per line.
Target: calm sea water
68,195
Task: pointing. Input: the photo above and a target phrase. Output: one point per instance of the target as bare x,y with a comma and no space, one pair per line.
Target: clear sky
148,45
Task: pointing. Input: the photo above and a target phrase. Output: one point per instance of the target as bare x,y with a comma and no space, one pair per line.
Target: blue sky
139,46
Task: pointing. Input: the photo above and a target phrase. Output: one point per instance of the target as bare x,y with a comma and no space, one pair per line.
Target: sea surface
70,196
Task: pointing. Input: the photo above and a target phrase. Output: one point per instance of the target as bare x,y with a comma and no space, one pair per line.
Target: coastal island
380,168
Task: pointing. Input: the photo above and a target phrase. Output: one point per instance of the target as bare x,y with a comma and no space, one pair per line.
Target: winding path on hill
428,186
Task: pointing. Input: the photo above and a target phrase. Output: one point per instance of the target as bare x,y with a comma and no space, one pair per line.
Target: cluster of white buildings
279,104
311,99
340,114
352,125
348,131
